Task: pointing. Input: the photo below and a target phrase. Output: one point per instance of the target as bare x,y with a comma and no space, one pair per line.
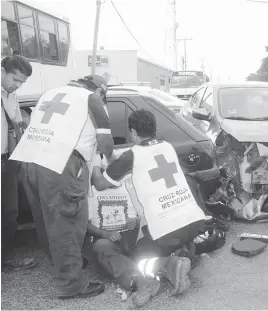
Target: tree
262,72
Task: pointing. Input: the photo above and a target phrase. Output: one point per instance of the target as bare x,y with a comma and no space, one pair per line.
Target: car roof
113,92
145,91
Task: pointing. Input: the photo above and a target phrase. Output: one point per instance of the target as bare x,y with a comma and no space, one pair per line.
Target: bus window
9,30
10,38
7,10
187,79
48,38
64,42
25,16
35,35
28,35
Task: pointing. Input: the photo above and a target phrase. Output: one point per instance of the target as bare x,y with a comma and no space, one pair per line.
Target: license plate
260,178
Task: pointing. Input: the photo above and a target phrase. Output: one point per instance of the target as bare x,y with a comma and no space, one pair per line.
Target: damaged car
235,118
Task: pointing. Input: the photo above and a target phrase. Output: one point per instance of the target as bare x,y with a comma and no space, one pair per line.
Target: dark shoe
17,265
146,289
187,250
93,289
177,274
195,260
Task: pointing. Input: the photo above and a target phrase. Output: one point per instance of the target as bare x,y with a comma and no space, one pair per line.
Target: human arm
114,173
101,121
113,236
98,181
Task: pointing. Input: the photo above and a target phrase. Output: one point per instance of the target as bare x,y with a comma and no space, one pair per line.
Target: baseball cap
95,81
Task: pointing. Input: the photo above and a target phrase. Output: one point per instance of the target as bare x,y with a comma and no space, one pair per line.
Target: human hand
113,236
111,159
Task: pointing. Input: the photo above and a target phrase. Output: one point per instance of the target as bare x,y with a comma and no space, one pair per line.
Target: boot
176,270
146,288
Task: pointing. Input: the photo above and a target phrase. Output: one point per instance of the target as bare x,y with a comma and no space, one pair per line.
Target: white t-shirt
87,142
111,208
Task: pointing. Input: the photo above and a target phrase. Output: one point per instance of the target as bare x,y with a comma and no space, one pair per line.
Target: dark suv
194,150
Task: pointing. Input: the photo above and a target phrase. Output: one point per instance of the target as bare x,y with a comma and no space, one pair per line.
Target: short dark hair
17,62
144,122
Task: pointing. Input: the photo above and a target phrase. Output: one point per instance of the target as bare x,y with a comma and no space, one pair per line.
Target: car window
207,101
166,129
118,114
197,98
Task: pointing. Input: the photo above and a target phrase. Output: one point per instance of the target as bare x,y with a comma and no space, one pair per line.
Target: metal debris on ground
122,293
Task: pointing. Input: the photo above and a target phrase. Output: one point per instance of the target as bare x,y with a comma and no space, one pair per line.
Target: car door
193,103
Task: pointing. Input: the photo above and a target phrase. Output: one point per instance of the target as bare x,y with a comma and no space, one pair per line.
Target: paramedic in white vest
169,215
59,201
114,224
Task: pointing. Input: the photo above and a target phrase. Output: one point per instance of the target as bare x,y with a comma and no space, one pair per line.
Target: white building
123,66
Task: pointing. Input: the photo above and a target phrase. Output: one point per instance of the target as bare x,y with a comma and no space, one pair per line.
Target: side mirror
201,114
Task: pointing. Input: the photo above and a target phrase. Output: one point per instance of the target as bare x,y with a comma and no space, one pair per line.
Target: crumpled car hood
246,131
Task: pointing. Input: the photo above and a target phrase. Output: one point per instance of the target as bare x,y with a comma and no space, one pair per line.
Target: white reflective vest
56,124
162,190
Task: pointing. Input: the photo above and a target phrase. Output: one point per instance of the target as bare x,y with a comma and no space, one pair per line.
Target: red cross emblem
164,171
53,106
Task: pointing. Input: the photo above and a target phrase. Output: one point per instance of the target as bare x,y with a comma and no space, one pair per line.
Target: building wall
121,65
158,76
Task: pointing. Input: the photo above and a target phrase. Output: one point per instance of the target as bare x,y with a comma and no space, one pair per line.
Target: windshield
186,81
248,103
162,95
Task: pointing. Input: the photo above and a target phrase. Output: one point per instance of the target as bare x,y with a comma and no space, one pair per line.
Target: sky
229,35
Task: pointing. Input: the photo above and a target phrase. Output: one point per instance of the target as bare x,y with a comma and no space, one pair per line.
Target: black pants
164,246
114,258
61,216
122,265
9,206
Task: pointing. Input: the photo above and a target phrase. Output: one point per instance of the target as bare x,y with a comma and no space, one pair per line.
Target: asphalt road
221,281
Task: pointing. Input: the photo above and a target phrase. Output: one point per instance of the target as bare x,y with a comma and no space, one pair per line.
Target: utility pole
95,42
185,51
174,35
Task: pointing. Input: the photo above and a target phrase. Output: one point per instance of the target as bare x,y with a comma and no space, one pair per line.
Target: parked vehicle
235,118
194,149
185,83
168,100
32,29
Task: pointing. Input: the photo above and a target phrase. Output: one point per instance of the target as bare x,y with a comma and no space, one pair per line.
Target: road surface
221,281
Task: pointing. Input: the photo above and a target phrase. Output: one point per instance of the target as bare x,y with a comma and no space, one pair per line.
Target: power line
130,31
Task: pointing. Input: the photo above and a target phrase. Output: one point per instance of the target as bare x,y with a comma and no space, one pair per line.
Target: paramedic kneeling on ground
58,171
169,216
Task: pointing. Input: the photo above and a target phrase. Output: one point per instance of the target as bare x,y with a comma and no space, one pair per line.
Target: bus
43,37
185,83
